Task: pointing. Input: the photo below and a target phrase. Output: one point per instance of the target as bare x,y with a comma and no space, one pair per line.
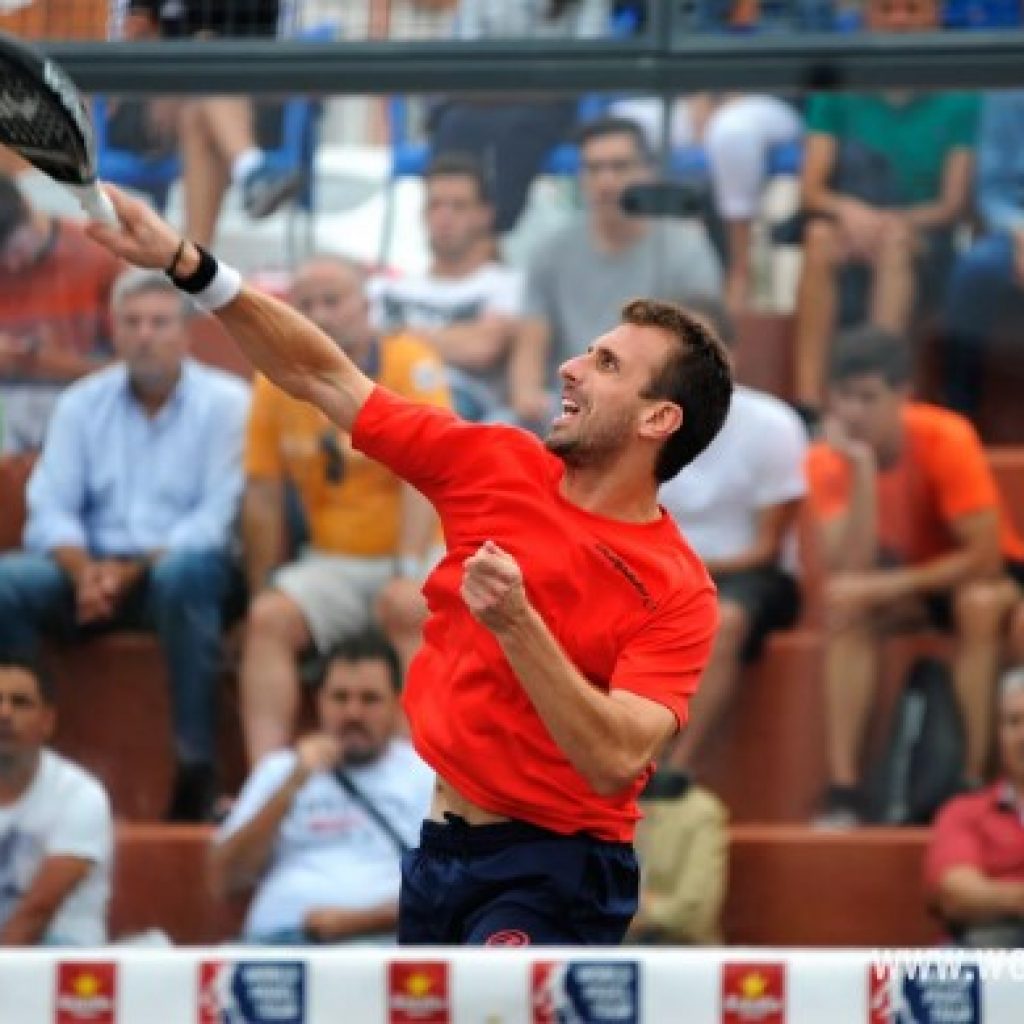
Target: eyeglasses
334,458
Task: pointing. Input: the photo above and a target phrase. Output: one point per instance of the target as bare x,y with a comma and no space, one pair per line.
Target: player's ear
661,419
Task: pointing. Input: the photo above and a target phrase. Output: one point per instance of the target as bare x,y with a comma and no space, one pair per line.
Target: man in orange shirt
569,621
371,536
55,287
913,532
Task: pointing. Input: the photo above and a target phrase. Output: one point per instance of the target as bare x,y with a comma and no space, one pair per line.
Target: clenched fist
492,587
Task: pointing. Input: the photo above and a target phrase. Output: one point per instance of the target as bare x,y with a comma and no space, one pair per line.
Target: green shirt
916,136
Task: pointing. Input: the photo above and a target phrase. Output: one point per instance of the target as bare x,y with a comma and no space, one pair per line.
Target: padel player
569,622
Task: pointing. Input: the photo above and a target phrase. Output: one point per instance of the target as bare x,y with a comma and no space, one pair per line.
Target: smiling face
604,412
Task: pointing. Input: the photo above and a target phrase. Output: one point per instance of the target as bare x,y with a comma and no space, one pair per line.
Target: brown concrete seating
787,886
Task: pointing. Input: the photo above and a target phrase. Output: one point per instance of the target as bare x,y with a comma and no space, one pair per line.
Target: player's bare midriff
448,800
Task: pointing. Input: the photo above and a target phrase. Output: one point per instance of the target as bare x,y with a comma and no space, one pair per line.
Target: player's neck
619,492
456,267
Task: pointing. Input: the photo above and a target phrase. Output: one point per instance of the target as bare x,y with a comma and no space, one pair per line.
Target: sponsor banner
252,992
753,993
419,992
86,993
944,992
591,991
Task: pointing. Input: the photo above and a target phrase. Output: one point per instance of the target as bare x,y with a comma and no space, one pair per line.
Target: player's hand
492,587
318,752
142,237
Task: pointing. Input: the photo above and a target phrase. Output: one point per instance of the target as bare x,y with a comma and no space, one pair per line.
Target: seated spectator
579,280
372,537
511,137
886,179
738,134
737,505
223,138
131,509
975,864
319,830
56,832
989,279
913,533
467,304
54,313
683,847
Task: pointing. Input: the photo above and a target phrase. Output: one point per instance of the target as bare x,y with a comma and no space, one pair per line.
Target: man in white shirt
467,304
737,504
318,831
56,830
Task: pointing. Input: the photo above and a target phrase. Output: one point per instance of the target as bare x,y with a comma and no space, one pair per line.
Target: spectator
512,138
580,279
989,278
131,508
372,537
54,313
467,304
223,138
975,863
318,831
56,832
737,505
913,532
886,179
683,847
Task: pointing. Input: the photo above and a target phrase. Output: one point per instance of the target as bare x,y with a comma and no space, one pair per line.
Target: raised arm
298,357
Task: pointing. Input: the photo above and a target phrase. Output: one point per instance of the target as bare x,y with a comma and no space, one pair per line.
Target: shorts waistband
456,835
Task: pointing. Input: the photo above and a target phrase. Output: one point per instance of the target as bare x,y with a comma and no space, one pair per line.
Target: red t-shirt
631,605
984,830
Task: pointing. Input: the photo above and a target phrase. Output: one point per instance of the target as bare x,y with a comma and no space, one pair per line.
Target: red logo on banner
86,993
210,997
880,1001
753,994
545,991
418,993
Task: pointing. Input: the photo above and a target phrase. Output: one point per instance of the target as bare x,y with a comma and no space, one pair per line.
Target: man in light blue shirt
132,507
989,278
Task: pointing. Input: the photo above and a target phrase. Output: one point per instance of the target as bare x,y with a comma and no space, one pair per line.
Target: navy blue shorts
514,884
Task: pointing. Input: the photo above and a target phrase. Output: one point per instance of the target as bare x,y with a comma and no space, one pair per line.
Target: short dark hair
460,165
14,210
601,127
713,310
697,376
369,645
870,351
31,666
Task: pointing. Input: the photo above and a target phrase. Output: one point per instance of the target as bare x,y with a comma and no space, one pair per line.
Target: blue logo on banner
938,996
255,992
596,992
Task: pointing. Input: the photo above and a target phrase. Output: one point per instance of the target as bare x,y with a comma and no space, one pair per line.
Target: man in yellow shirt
371,536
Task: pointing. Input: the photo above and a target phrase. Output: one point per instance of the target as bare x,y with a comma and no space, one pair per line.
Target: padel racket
44,119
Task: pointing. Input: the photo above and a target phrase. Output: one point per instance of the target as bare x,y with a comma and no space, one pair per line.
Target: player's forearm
238,861
590,729
292,352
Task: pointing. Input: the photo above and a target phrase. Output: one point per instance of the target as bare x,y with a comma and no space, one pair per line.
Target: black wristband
200,278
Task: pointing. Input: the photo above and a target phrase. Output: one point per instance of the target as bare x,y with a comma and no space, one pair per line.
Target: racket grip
96,204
